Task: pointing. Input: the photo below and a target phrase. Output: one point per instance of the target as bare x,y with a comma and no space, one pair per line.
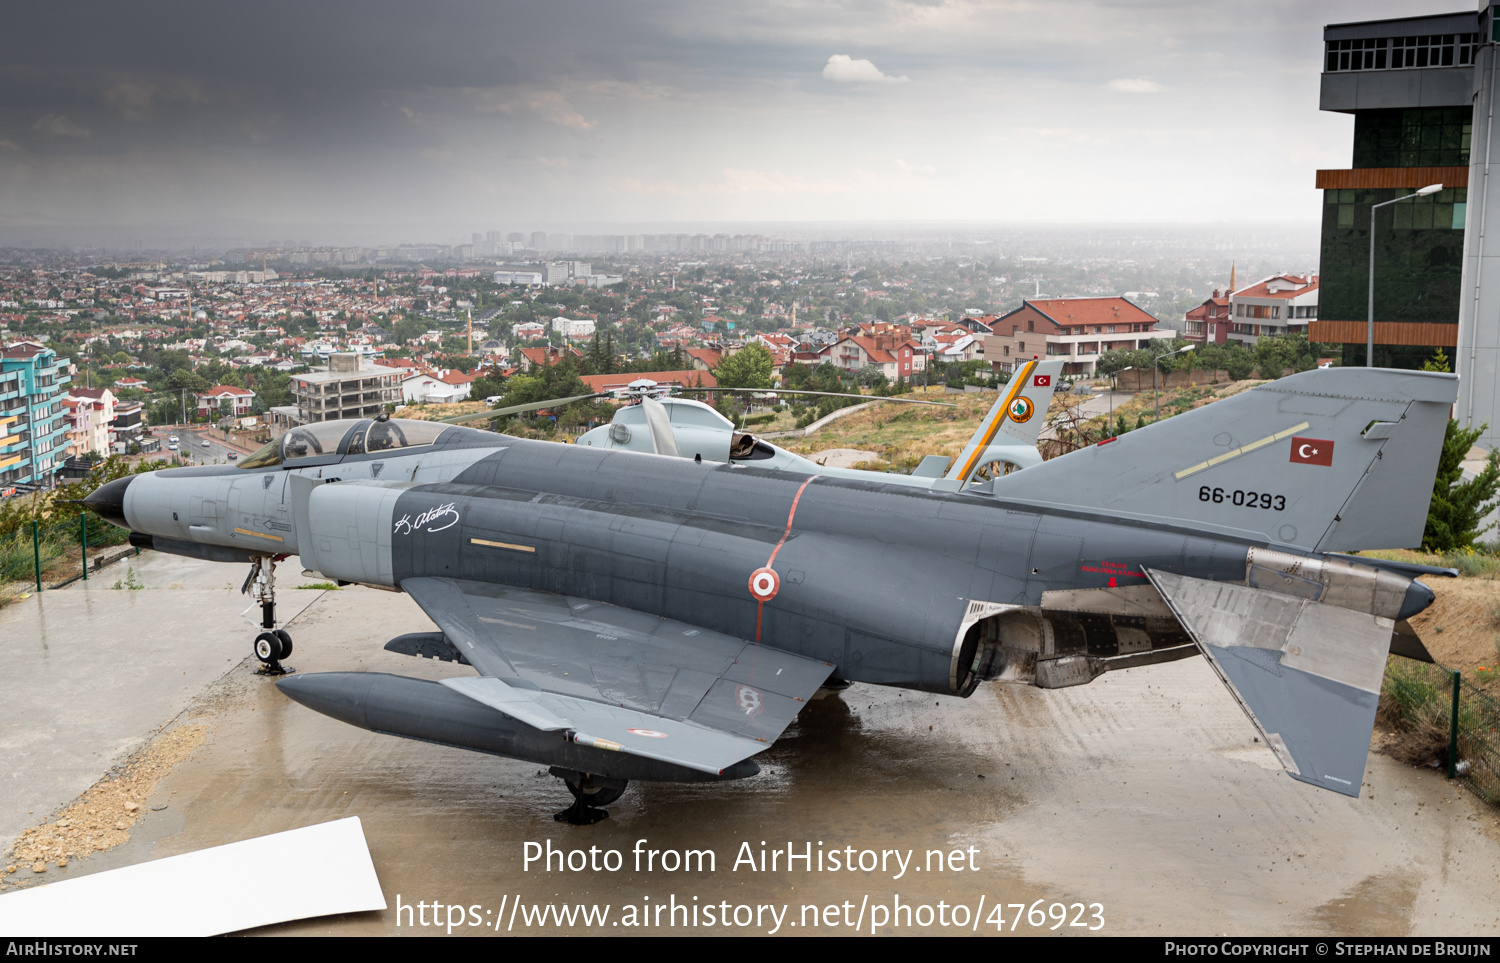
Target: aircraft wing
615,678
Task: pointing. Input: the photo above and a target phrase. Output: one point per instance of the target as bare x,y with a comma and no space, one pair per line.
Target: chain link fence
1447,721
56,551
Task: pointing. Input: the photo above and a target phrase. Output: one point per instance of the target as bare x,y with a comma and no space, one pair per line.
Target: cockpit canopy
339,438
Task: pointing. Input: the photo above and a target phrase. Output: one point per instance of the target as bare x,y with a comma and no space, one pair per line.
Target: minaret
471,333
1231,278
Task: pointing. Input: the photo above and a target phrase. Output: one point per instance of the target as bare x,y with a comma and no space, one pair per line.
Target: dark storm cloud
469,111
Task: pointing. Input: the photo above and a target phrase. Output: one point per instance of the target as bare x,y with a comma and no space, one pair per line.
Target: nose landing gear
272,644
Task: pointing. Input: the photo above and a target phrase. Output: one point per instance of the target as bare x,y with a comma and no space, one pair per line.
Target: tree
750,367
1458,506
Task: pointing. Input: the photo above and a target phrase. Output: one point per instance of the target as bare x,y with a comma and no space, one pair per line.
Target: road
191,442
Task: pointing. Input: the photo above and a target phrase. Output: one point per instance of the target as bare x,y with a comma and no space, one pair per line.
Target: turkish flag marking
1312,451
1042,381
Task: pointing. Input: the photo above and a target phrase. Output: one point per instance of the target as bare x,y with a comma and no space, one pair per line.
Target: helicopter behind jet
1005,440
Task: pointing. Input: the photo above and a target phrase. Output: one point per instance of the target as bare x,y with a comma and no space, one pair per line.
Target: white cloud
844,69
1122,85
59,126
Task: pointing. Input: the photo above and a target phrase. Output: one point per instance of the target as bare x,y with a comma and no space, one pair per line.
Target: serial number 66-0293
1242,499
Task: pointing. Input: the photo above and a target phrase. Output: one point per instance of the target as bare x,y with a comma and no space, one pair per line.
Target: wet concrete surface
1139,804
94,669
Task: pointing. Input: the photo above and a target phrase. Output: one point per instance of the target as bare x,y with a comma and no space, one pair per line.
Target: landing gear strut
272,644
589,792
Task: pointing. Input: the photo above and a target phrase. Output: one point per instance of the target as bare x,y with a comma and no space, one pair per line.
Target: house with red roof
548,355
441,385
1077,330
678,379
1278,305
895,356
1208,323
210,401
704,359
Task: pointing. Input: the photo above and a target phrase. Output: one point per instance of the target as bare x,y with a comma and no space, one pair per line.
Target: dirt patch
102,818
901,434
437,412
1173,401
1462,629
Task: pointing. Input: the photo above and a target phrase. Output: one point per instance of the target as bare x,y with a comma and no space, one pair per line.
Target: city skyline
378,123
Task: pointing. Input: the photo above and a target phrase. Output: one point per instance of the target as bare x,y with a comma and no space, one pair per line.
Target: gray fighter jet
642,616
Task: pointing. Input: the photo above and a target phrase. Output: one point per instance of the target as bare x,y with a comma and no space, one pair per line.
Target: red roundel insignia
648,733
764,584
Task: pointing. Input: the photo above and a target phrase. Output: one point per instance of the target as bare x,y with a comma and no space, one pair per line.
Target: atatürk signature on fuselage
406,525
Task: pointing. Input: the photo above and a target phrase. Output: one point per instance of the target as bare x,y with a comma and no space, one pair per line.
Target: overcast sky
380,121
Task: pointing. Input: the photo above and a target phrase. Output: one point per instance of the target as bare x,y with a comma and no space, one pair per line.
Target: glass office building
1421,91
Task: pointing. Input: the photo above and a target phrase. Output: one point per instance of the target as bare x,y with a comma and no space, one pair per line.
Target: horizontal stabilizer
1306,673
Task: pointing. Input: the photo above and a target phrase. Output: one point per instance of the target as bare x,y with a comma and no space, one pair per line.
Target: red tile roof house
209,401
1284,304
1075,329
437,386
679,379
895,357
1209,321
537,357
704,359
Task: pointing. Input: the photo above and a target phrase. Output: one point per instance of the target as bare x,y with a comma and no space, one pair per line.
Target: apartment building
33,417
1278,305
1078,330
352,387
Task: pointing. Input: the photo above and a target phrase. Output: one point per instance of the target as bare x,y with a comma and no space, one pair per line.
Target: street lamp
1154,385
1370,327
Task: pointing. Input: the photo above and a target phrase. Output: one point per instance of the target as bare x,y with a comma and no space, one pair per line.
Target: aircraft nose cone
108,501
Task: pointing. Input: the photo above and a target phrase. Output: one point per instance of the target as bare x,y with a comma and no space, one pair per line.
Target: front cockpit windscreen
344,438
307,441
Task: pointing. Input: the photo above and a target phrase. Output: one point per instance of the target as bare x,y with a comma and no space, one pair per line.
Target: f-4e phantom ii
640,616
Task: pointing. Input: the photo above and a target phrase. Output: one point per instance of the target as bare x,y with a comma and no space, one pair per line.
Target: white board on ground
314,871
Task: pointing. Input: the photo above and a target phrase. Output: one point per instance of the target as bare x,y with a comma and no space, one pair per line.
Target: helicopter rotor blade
663,441
829,394
519,409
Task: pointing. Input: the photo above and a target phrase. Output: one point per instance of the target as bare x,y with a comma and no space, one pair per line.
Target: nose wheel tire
270,648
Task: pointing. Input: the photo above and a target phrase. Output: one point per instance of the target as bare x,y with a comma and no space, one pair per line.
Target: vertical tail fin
1009,431
1328,460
